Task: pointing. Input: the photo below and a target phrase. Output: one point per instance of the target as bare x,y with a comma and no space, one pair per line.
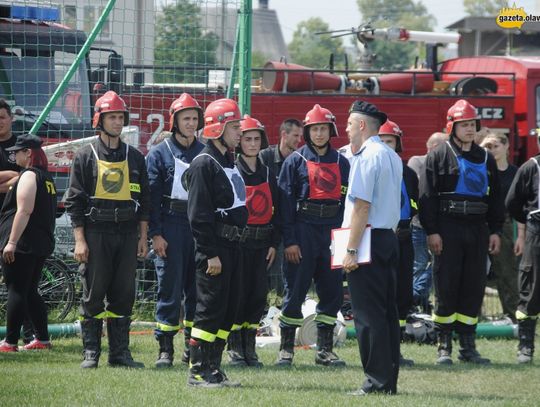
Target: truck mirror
115,70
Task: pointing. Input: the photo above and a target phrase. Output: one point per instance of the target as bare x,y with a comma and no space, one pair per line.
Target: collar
370,140
180,146
244,167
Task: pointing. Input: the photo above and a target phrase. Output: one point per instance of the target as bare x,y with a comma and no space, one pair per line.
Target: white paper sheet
340,240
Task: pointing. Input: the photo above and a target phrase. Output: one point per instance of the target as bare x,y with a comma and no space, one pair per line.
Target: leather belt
116,215
230,232
319,210
175,205
463,207
258,232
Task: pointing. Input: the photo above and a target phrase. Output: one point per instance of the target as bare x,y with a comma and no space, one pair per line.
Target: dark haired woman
27,238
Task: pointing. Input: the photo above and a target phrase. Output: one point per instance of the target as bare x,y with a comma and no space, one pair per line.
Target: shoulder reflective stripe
344,190
200,334
291,321
236,327
464,319
221,334
325,319
252,326
134,187
444,320
402,323
167,328
414,204
187,324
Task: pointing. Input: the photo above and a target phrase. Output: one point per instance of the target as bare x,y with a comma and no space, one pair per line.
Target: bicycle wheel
57,289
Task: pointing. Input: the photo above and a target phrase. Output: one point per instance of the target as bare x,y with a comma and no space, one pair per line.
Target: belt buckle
241,234
92,213
115,215
451,205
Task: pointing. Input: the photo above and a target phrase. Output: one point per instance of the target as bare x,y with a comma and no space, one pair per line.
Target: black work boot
402,361
235,349
118,333
286,347
526,333
468,352
249,340
325,344
187,337
166,351
444,350
200,375
215,364
91,329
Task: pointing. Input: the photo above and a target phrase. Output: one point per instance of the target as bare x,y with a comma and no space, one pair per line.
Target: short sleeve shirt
375,177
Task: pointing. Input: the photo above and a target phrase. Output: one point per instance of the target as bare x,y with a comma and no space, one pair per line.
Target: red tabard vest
324,180
259,204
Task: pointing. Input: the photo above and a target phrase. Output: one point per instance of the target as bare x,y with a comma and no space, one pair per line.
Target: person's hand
435,244
142,247
494,243
350,262
293,254
9,253
81,251
214,266
270,257
160,245
519,245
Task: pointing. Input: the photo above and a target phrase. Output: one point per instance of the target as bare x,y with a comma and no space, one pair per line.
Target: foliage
180,41
389,13
483,8
310,49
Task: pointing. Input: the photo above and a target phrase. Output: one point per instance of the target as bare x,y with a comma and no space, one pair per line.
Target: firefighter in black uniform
261,238
313,184
391,134
462,211
217,215
169,230
523,203
108,202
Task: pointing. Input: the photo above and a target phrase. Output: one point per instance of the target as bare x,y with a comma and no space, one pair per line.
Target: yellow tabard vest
112,179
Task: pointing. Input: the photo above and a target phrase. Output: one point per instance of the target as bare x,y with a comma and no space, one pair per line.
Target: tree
401,14
181,42
484,8
311,50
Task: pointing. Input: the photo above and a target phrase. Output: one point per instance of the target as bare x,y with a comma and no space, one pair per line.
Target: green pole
80,56
234,64
244,66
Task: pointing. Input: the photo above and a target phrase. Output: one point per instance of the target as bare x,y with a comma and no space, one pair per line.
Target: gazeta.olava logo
514,17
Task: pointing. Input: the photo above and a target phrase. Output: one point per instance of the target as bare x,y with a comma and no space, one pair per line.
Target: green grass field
55,379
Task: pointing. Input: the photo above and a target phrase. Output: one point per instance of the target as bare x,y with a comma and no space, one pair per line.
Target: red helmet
391,128
184,102
320,115
461,111
109,102
217,115
250,123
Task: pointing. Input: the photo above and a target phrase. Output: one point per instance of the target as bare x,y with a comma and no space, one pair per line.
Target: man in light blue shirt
374,197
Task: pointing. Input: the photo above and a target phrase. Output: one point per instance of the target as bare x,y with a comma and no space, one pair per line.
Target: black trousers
373,297
254,286
22,279
109,274
529,272
459,274
217,296
405,274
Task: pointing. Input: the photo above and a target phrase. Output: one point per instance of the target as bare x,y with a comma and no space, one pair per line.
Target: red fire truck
35,52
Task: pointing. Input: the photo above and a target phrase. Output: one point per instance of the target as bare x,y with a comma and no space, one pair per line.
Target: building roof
488,24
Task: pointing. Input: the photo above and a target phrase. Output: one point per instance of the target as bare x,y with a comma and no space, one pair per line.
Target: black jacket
522,197
82,184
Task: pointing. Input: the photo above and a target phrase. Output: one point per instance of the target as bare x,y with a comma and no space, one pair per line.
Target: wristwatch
354,252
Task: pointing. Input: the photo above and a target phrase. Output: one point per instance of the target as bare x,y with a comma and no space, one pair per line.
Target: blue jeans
422,274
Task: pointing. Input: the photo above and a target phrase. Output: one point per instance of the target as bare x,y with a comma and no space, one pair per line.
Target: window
70,16
91,16
538,107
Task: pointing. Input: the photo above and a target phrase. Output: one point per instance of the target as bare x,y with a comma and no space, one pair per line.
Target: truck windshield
28,80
